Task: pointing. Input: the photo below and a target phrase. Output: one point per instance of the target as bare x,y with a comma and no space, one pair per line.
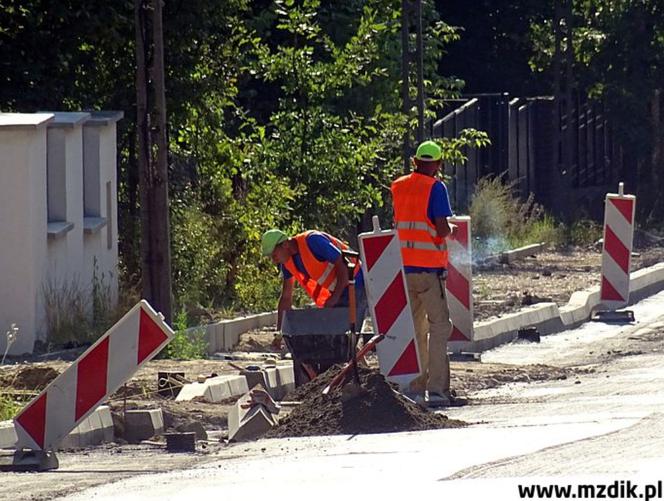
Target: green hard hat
429,151
272,238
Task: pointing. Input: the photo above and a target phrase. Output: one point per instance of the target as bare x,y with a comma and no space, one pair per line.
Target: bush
186,344
501,221
584,232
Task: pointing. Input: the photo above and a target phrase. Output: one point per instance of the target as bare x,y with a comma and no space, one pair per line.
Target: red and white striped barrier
92,378
460,280
387,294
617,250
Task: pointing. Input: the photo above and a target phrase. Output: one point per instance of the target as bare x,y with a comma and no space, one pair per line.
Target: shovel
339,378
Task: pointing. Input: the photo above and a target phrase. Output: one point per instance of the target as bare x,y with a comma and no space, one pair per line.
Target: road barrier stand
387,295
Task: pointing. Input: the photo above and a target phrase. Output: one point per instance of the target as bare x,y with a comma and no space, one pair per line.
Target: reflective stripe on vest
416,225
410,244
420,244
319,281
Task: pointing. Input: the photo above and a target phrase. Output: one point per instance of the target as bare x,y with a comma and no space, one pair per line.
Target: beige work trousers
428,301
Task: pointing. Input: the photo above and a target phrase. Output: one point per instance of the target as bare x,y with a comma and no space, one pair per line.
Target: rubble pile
377,408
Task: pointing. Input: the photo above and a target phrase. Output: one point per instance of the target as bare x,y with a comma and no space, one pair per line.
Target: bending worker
315,260
421,209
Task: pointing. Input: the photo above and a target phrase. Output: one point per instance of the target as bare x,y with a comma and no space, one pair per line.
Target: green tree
618,48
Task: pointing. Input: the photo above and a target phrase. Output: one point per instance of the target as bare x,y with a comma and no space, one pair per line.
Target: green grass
8,407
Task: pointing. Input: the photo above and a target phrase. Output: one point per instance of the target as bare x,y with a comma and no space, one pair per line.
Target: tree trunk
420,71
405,90
657,151
153,159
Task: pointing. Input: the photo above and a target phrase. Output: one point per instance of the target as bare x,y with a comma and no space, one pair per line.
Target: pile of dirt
30,378
379,408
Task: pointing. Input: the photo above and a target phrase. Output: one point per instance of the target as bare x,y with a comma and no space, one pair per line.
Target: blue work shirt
439,206
323,250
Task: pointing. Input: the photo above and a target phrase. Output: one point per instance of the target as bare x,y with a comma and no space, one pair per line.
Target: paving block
7,435
256,377
216,389
95,433
272,380
248,424
286,377
238,385
190,391
143,424
106,423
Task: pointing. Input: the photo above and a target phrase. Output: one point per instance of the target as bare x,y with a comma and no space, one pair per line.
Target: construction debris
377,409
252,415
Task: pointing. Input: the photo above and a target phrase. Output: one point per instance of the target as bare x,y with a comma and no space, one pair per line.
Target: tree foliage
281,114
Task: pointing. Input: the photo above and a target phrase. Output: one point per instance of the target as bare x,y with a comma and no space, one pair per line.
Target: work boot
437,400
446,399
415,397
455,399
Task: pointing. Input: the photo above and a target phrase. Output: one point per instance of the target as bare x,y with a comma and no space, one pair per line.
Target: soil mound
379,408
30,378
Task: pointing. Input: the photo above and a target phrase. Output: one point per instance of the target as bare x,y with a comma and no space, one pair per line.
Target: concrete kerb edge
549,319
278,381
96,429
225,334
516,254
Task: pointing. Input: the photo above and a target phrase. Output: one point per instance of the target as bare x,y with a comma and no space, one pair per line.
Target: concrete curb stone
248,424
8,436
223,335
214,389
511,256
548,318
142,424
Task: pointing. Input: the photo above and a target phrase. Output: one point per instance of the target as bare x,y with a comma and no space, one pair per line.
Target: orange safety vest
420,244
319,281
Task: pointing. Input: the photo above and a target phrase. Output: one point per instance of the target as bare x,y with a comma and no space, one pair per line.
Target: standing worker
421,209
315,260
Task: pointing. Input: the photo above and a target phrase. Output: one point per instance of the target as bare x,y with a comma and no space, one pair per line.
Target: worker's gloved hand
453,230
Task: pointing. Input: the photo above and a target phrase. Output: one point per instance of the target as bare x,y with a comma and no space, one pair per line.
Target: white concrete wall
22,227
101,246
65,254
35,150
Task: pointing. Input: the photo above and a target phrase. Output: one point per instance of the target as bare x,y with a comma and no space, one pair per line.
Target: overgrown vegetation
288,114
8,407
501,221
77,315
186,344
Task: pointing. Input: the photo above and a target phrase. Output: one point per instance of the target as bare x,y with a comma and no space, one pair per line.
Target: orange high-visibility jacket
320,279
420,244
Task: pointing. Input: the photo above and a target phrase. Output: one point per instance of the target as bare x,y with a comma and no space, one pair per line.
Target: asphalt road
599,428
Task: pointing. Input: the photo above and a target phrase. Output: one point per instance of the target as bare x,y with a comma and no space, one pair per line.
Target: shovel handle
342,373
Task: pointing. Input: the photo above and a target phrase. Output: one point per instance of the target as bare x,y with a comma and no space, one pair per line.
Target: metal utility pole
153,156
563,81
411,12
